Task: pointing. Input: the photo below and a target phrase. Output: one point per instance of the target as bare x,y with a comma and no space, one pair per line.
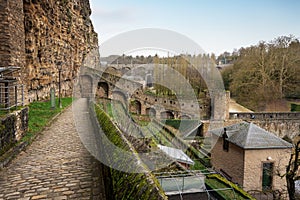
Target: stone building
250,156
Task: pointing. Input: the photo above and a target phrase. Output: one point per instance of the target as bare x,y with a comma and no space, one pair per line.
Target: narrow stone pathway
56,166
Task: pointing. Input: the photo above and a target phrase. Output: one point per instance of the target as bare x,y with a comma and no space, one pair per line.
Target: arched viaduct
110,84
107,84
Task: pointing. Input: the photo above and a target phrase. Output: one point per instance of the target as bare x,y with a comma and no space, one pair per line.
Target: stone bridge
107,84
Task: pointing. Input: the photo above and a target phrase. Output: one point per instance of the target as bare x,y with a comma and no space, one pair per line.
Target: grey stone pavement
56,166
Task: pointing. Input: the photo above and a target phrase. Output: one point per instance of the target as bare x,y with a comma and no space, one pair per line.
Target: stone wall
39,36
283,124
12,37
265,115
281,128
12,128
56,31
126,185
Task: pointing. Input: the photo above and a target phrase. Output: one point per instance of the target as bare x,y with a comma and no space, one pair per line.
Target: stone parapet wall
264,115
138,185
12,128
283,124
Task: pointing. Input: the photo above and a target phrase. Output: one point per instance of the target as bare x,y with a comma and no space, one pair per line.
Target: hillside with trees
264,73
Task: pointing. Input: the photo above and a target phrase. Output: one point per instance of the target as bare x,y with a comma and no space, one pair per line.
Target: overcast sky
216,25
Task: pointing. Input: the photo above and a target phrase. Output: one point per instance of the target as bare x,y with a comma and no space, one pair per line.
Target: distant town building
250,156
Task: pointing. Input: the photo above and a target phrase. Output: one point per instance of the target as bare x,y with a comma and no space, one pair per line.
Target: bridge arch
136,107
151,112
102,90
112,69
167,115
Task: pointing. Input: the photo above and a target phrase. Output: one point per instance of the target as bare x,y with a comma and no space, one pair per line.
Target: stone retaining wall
12,128
126,185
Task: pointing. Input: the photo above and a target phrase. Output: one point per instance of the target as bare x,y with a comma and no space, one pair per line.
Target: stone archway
167,115
102,90
136,107
151,112
86,86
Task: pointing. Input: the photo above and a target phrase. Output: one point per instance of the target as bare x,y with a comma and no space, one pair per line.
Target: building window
225,141
267,176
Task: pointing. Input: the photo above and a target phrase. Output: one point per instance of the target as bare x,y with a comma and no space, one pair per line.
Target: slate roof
176,154
250,136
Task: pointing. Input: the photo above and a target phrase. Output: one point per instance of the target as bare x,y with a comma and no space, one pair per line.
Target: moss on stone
128,186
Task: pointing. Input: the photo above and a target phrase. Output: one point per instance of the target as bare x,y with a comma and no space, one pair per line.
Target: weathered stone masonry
35,35
12,128
12,37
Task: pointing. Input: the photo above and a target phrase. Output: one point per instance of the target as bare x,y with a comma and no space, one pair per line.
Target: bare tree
268,71
292,170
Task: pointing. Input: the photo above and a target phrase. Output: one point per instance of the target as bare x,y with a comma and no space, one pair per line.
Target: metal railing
11,96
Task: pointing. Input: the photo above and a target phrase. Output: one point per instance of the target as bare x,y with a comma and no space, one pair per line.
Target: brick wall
245,166
232,162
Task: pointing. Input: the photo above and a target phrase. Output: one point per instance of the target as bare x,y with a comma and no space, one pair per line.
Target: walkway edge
7,157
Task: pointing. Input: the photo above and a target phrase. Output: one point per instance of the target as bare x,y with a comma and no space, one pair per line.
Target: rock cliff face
41,35
12,37
56,31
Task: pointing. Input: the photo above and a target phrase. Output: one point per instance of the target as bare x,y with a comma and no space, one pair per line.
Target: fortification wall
282,123
12,37
40,36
